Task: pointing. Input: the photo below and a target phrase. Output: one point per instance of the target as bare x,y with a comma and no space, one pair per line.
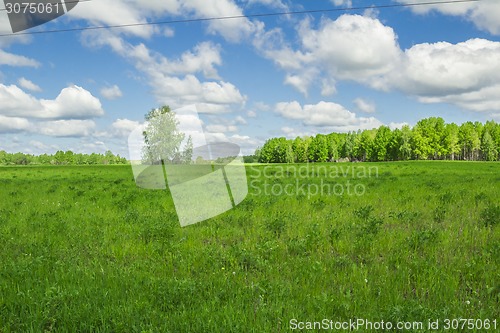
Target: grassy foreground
82,249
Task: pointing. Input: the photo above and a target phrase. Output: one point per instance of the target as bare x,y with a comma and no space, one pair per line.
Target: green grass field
82,249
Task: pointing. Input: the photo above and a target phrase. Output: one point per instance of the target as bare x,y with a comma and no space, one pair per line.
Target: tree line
429,139
61,158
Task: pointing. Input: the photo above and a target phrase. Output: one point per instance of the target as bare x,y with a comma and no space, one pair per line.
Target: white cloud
66,128
325,114
112,92
124,12
240,120
123,127
269,3
139,11
39,145
174,81
484,14
262,106
168,32
251,114
451,73
364,105
465,74
178,92
287,130
13,124
292,133
346,3
206,55
17,60
353,47
28,85
232,30
72,102
394,125
219,128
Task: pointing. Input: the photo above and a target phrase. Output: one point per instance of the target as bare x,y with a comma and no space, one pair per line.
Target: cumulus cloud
219,128
251,114
11,59
13,124
352,47
394,125
362,49
346,3
202,59
325,114
138,11
66,128
466,74
72,102
65,116
174,81
270,3
126,12
231,30
291,133
364,105
484,14
112,92
240,120
123,127
28,85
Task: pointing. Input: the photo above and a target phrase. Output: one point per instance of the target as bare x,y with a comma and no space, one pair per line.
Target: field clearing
82,249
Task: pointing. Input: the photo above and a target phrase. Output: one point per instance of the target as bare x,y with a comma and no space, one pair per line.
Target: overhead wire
232,17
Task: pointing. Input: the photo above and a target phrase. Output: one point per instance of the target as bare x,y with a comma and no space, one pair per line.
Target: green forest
60,158
429,139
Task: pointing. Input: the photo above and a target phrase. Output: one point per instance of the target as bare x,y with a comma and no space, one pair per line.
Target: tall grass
82,249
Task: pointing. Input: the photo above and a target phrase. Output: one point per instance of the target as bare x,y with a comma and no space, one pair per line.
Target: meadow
83,249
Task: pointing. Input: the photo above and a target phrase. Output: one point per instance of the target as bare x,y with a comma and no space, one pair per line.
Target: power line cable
220,18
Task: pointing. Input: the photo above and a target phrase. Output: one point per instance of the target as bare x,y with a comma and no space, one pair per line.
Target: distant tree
161,136
60,158
494,129
257,154
283,151
109,158
250,159
318,149
266,154
300,148
436,129
335,143
405,149
469,141
430,138
363,148
450,141
381,143
349,144
187,154
394,144
4,157
488,148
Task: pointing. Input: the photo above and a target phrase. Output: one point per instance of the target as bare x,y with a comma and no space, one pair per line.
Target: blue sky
250,78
